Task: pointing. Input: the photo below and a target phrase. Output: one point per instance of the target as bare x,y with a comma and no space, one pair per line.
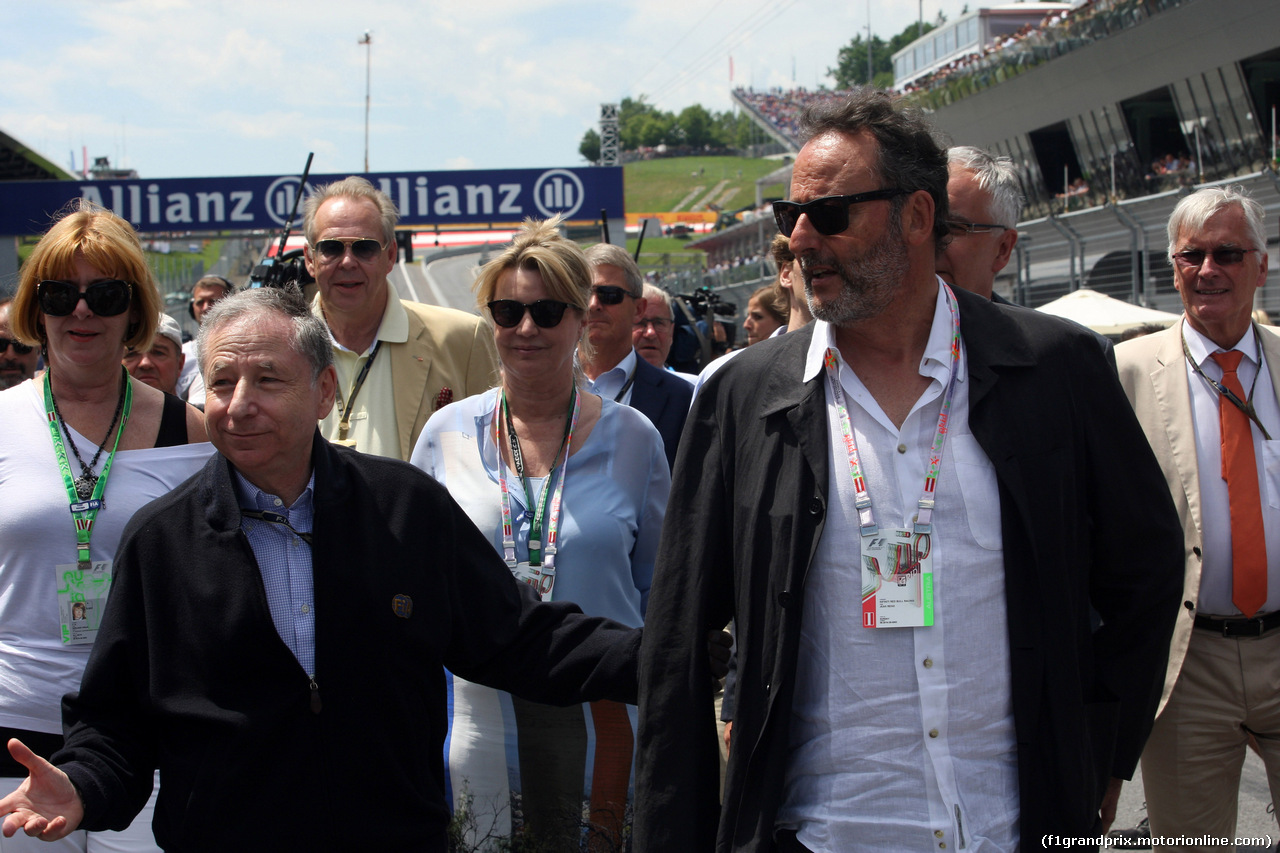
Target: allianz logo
417,197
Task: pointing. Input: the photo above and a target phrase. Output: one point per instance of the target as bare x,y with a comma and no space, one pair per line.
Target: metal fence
1120,249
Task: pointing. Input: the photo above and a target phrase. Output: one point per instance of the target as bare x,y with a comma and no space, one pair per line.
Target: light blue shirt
615,496
611,384
285,562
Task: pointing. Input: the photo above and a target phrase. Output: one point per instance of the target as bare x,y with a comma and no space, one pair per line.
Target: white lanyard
924,515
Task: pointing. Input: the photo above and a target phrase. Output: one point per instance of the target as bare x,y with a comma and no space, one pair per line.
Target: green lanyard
83,512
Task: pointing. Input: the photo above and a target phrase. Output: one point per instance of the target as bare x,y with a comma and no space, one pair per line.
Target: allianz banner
263,202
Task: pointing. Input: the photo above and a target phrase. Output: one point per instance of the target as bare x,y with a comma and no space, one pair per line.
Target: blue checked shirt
285,562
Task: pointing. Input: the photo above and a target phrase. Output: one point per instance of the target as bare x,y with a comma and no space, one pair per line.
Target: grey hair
309,337
996,177
654,294
352,187
607,254
1195,210
909,157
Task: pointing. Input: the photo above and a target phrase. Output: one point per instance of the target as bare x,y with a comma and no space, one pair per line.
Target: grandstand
1142,99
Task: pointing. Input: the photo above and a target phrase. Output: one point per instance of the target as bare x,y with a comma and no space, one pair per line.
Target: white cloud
225,87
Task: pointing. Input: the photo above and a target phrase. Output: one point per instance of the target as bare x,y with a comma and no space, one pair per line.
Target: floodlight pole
367,41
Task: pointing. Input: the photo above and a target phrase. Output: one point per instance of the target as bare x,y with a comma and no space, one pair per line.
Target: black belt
1255,627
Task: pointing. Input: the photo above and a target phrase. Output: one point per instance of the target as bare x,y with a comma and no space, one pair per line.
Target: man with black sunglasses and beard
907,507
397,361
17,360
616,372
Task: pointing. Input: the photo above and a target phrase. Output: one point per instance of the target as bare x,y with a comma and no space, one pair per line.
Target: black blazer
1086,519
664,399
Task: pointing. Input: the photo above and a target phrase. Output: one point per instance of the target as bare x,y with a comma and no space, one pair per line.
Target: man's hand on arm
46,805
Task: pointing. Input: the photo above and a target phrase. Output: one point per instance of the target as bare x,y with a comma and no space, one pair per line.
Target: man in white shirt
397,361
908,507
1205,392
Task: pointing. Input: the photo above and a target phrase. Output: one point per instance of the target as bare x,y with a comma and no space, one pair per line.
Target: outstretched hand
46,805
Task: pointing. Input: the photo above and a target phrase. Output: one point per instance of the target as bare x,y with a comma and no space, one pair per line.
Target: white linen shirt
1215,509
903,738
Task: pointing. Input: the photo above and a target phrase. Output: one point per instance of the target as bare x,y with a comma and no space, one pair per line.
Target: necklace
87,479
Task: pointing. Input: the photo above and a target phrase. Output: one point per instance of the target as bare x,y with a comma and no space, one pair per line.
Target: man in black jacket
278,627
908,508
611,362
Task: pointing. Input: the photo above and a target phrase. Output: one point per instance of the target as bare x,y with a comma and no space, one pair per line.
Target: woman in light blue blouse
571,490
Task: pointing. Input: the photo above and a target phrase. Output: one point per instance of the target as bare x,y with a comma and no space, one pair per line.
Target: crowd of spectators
1059,32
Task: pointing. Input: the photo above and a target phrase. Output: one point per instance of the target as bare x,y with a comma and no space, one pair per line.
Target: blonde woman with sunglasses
571,489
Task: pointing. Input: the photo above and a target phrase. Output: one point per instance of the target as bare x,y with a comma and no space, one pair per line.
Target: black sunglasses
1223,257
104,298
363,248
829,215
610,295
546,313
18,349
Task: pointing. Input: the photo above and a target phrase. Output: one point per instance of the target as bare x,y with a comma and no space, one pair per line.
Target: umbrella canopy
1102,313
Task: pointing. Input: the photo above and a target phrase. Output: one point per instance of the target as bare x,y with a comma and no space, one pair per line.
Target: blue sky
178,88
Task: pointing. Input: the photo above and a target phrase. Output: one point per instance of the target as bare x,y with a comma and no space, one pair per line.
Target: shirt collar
251,497
394,328
936,362
614,378
1201,348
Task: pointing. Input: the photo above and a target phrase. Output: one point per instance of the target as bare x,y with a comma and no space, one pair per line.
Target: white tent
1103,314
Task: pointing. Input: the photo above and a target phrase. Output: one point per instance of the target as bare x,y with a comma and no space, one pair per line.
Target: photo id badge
541,578
897,580
82,599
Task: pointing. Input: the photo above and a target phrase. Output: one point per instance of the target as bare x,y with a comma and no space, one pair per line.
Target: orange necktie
1240,470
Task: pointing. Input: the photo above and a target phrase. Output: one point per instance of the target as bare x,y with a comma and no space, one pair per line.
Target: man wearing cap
160,365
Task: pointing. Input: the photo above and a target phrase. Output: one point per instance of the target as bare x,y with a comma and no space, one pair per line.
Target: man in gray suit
1205,393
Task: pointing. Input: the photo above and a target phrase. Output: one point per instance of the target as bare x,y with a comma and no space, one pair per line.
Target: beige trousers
1226,689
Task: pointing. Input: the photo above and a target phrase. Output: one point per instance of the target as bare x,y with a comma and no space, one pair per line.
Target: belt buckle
1243,627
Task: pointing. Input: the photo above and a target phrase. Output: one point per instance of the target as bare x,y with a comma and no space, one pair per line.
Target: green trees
642,125
851,62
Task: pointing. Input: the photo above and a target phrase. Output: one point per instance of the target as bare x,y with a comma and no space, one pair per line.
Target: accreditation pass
897,580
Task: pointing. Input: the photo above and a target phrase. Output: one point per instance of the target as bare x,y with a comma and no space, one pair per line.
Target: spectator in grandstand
397,361
204,293
765,314
655,330
159,365
18,361
984,202
610,362
589,539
